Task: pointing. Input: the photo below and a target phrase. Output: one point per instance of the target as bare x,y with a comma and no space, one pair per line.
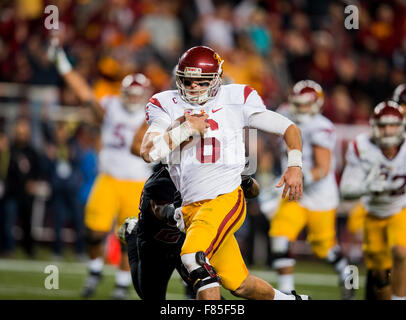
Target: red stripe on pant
224,222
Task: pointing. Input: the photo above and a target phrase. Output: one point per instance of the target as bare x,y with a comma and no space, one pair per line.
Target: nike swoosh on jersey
214,111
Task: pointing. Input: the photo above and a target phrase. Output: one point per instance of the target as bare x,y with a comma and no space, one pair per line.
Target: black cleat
300,296
91,284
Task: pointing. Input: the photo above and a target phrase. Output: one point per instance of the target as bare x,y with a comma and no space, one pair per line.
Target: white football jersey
118,129
212,165
367,155
321,195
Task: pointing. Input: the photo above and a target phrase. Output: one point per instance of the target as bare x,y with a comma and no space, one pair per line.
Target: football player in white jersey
116,192
316,210
375,171
207,169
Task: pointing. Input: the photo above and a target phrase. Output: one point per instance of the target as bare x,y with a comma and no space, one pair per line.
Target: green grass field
25,279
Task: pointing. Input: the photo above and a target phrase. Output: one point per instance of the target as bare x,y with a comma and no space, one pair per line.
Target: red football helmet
136,89
388,113
199,64
305,92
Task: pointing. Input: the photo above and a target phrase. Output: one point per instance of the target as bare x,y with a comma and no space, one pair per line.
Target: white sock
123,278
96,265
281,296
286,283
394,297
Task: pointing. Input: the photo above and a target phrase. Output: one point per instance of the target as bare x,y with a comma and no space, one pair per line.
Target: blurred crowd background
267,44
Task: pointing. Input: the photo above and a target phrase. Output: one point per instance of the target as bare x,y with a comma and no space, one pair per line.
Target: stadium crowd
268,45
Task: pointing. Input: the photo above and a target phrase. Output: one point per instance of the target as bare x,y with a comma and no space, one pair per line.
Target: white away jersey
212,165
321,195
118,129
367,155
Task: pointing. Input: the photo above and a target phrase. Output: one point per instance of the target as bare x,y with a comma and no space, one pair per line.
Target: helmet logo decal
217,57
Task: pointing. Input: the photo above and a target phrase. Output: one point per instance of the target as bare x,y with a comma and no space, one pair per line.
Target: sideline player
117,189
316,210
155,232
375,171
207,170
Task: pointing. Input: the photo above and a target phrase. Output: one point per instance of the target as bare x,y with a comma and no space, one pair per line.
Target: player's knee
246,287
399,254
94,238
280,247
202,274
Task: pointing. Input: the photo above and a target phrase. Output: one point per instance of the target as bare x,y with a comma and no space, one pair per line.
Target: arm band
295,158
270,121
161,148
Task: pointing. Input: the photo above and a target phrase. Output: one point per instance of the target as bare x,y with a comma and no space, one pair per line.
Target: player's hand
197,123
292,178
376,181
127,228
378,185
178,216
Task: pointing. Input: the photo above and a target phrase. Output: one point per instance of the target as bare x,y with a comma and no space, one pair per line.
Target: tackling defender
155,231
316,210
375,172
117,190
207,170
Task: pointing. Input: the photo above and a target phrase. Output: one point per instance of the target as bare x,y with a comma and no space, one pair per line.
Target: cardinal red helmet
306,92
388,113
136,89
199,64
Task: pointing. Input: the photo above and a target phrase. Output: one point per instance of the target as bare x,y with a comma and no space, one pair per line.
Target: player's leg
322,237
397,236
235,277
99,214
208,225
129,199
288,221
150,271
378,259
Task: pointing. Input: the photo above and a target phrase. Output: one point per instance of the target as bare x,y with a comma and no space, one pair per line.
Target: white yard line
79,268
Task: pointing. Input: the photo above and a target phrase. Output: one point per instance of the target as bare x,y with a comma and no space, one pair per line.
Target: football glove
127,228
178,217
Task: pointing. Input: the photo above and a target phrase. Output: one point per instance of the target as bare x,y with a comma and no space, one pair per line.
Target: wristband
180,133
295,158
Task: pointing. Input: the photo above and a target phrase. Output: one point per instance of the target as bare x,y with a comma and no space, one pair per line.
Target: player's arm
250,186
353,182
354,179
159,143
137,139
276,123
322,162
74,80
